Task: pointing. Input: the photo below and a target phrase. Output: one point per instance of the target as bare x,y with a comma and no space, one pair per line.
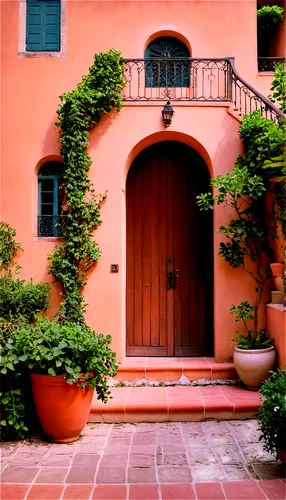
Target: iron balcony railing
189,79
268,63
50,225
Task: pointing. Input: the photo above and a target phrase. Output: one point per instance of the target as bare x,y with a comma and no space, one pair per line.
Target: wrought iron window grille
268,63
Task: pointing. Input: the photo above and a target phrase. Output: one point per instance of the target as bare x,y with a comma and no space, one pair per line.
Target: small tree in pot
247,234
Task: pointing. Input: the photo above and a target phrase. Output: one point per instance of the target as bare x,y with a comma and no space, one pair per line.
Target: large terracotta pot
253,366
63,409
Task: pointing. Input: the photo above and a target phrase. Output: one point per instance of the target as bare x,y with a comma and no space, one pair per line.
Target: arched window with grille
164,73
50,197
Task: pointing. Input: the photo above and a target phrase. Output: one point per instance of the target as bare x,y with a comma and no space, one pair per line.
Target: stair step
171,369
179,403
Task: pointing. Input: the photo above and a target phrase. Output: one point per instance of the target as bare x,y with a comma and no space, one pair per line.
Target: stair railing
246,98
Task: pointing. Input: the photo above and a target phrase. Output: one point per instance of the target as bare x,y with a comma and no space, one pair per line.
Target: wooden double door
169,301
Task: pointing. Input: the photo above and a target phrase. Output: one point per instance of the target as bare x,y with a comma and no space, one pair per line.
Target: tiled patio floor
195,460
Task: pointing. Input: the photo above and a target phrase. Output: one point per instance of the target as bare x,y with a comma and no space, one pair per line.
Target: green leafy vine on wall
79,112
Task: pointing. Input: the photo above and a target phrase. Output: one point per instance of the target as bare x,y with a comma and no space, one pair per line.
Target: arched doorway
169,301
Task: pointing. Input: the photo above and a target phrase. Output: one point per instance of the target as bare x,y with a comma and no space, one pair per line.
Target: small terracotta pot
253,366
63,409
277,270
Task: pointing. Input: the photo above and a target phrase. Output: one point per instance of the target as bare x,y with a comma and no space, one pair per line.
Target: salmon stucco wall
30,90
276,327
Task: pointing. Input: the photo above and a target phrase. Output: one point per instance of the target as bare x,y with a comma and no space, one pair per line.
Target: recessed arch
169,260
167,63
168,33
165,135
49,158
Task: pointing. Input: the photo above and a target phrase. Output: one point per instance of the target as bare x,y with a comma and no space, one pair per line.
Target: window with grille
164,73
50,198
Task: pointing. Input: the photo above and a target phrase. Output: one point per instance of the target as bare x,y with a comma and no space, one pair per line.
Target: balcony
177,79
197,80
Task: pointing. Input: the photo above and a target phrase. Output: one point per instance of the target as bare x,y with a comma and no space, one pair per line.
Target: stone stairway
175,389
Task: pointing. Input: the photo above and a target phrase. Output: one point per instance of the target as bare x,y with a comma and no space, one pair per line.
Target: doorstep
171,369
177,403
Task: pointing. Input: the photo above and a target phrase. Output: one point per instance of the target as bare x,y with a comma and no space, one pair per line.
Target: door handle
176,279
172,280
169,280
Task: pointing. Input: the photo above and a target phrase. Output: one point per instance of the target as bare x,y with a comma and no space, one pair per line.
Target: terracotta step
179,403
162,369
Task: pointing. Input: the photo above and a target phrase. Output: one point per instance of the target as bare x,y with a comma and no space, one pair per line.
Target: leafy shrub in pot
67,362
272,413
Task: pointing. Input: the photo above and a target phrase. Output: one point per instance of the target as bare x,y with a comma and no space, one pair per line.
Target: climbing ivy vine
79,112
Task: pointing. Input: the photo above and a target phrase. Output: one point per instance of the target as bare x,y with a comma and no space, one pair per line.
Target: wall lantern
167,114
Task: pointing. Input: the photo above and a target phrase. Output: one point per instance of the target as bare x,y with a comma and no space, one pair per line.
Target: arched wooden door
169,254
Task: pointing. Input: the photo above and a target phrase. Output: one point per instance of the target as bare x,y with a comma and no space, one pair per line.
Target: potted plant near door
254,355
246,247
247,235
66,363
272,414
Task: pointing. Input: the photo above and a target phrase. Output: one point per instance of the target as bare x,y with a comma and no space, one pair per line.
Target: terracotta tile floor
180,460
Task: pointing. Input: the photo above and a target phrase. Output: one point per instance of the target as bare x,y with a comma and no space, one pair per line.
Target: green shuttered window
43,25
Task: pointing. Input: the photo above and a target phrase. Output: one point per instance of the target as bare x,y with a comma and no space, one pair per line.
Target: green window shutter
52,26
43,26
34,30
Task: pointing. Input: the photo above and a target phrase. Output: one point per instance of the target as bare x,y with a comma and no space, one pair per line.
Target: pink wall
30,90
276,326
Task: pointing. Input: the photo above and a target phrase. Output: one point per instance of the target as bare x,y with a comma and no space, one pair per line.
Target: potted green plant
66,363
254,355
269,17
272,414
247,236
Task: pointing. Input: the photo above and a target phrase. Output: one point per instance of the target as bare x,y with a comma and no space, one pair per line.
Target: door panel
164,235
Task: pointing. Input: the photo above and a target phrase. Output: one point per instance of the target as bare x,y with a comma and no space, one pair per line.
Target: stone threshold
172,369
179,403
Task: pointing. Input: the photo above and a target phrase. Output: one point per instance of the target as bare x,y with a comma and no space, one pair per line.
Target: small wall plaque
114,268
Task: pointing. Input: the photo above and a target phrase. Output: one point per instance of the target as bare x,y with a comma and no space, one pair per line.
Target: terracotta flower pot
253,366
63,409
277,270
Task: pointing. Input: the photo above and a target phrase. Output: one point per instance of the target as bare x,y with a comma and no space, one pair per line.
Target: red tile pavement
110,492
207,491
135,404
175,491
236,490
143,492
13,491
274,489
78,492
244,490
44,492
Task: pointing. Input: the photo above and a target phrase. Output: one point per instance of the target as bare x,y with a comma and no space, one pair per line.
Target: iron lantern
167,114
